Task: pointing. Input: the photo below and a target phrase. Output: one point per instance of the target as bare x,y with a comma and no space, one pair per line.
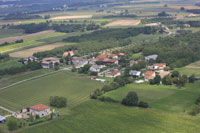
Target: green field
167,98
3,113
4,33
100,117
193,68
30,41
76,88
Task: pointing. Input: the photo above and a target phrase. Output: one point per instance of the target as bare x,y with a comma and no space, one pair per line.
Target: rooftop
39,107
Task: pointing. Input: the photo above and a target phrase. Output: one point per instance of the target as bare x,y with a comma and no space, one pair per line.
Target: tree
175,74
131,99
96,94
56,66
157,79
143,104
12,125
198,100
163,14
182,8
191,78
107,88
58,102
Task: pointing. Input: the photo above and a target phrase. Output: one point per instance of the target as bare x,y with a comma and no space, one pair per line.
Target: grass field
167,98
99,117
30,41
74,87
4,33
193,68
131,22
3,112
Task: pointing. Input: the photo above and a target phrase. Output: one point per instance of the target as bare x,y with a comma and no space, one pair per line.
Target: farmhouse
151,57
162,73
135,74
2,119
160,66
95,68
40,109
49,62
113,74
79,62
111,59
149,75
71,53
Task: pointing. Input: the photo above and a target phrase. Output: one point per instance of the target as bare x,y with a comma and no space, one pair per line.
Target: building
151,57
79,62
112,56
40,109
148,75
95,68
108,59
159,66
93,77
2,119
135,74
49,62
133,62
113,74
71,53
162,73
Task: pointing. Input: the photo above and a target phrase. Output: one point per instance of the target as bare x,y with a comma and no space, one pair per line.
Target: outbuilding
2,119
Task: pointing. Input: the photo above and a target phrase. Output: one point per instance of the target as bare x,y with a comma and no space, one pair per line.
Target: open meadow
76,88
193,68
124,23
101,117
166,98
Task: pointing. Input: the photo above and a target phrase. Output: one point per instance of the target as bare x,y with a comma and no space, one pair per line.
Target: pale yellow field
130,22
72,17
31,51
186,7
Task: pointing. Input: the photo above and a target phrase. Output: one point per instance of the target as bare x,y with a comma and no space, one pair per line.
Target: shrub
96,93
195,110
131,99
107,99
143,104
12,125
198,100
58,102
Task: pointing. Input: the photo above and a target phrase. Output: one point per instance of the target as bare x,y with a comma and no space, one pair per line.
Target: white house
49,62
2,119
134,73
40,109
95,68
151,57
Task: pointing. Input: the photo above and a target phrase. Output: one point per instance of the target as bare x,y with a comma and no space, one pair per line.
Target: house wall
41,113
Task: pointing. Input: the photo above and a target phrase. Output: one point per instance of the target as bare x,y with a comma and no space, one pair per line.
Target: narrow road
10,111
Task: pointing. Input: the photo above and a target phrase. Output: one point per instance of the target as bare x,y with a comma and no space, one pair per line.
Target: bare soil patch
31,51
124,23
72,17
9,39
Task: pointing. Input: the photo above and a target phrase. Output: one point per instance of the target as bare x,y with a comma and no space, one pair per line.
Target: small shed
2,119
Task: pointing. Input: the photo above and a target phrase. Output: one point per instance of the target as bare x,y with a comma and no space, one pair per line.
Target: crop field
30,41
101,117
167,98
5,33
74,87
193,68
124,23
30,52
10,79
71,17
3,112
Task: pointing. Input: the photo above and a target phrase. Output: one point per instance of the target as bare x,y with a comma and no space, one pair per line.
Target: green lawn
76,88
101,117
167,98
4,33
193,68
3,112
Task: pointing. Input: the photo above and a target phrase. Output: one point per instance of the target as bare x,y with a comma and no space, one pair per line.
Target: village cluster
107,65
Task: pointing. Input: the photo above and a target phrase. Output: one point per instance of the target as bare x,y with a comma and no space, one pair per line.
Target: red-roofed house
113,74
71,53
121,54
106,59
40,109
148,75
160,66
113,56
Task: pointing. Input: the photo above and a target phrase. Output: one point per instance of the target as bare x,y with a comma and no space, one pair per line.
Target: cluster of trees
196,109
177,51
12,125
118,82
20,16
84,69
10,43
58,102
195,11
67,28
132,100
163,14
98,41
177,79
18,69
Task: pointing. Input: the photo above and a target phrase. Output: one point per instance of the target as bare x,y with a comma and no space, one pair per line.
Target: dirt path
10,111
9,39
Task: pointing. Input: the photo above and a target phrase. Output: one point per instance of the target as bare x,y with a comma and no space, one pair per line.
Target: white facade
41,113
